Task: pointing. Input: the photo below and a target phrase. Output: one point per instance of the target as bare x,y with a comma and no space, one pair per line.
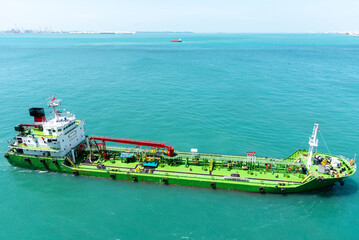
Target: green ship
60,144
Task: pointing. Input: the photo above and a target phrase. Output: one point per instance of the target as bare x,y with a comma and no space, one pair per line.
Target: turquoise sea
220,93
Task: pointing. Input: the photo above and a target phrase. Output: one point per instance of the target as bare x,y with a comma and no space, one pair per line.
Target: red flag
53,99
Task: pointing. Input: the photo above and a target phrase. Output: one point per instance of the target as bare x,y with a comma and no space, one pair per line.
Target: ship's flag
53,99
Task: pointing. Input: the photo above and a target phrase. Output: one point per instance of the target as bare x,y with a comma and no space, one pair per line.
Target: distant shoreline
18,31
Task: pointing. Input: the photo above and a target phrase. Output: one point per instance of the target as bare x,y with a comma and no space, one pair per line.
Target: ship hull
57,165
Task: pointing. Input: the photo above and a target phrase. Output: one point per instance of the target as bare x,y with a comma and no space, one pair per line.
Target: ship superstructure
53,137
60,144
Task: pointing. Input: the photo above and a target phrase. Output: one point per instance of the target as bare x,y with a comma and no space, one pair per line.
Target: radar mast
52,102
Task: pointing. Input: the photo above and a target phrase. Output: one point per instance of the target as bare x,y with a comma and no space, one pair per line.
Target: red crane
170,149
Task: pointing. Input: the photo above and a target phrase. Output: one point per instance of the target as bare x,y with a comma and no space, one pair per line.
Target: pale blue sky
183,15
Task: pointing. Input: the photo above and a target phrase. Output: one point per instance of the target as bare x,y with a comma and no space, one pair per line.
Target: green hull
253,180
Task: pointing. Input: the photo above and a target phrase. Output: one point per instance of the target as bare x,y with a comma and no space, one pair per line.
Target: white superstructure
54,137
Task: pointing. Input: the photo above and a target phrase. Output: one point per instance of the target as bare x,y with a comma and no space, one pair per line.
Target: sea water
219,93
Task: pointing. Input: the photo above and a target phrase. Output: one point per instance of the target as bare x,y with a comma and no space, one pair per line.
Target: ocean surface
220,93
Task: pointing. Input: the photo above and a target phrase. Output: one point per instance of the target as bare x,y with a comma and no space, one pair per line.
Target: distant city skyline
227,16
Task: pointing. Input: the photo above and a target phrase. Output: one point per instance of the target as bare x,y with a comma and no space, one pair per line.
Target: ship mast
313,142
54,104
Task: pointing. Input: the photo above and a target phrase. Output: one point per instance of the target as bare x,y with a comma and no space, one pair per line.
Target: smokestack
38,114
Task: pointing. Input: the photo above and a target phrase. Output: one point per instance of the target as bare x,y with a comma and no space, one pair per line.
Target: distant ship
178,40
60,144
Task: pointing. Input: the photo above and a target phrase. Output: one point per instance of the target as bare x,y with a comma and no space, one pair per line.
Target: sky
232,16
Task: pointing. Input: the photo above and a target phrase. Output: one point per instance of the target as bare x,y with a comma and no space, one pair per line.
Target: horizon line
47,31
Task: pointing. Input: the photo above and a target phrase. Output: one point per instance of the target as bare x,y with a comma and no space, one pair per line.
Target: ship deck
198,172
169,167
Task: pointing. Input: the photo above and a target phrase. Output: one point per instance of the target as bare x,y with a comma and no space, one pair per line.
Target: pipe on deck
170,149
